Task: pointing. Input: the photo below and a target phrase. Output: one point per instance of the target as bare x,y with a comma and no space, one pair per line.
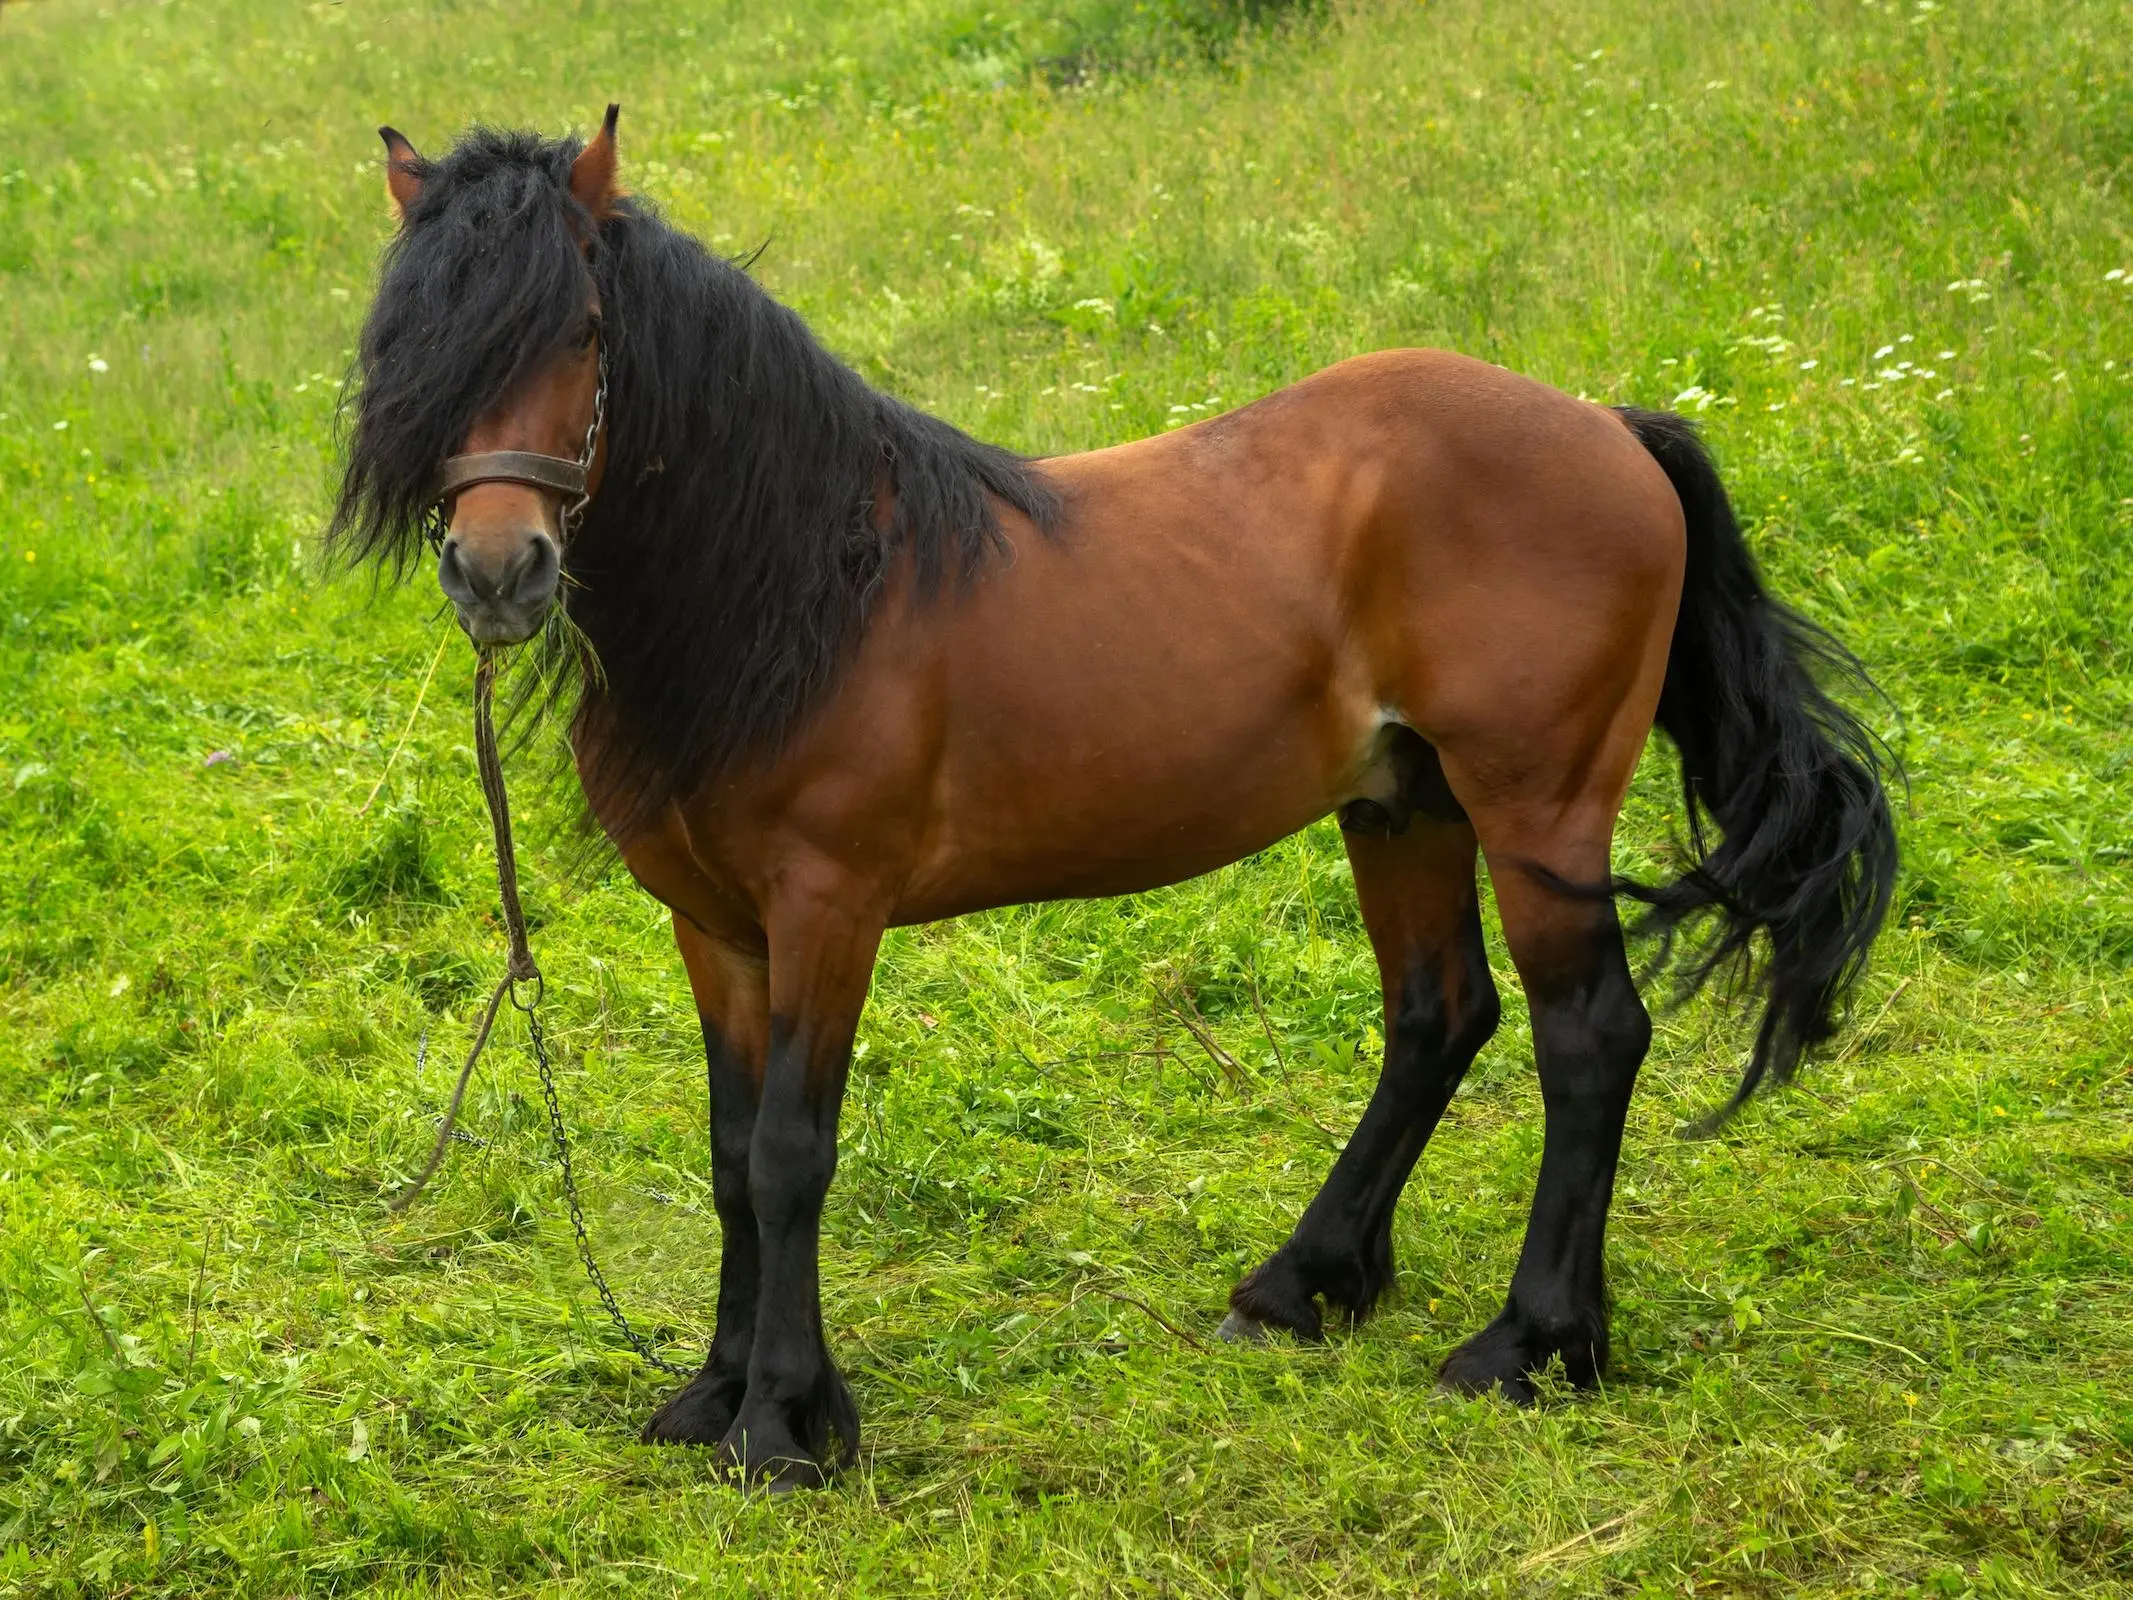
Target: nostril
533,579
453,577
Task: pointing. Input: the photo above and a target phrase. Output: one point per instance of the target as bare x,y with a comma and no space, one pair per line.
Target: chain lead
524,970
521,969
561,1137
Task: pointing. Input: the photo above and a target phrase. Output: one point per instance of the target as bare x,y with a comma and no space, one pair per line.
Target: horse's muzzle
501,585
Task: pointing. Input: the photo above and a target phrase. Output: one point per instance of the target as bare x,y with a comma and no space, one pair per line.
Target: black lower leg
703,1409
797,1420
1590,1033
1342,1247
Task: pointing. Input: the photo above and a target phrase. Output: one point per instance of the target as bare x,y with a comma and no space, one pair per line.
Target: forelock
485,279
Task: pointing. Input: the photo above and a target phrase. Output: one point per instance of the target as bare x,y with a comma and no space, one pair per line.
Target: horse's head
481,416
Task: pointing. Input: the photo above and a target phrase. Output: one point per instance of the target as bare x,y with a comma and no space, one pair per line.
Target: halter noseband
556,474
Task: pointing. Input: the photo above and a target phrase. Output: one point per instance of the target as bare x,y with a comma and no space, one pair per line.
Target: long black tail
1788,779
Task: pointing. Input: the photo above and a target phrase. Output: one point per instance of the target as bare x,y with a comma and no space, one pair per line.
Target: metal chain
522,969
561,1136
575,513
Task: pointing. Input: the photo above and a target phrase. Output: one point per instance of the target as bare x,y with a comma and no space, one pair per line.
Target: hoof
1468,1372
782,1445
763,1455
771,1467
1503,1357
1237,1328
1272,1297
700,1412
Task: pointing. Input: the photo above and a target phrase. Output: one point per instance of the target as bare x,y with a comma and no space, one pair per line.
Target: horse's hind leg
1590,1033
1419,901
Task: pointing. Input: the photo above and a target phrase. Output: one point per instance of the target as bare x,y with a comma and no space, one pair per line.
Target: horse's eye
590,333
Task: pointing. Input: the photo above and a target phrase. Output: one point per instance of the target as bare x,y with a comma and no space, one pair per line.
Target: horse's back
1418,502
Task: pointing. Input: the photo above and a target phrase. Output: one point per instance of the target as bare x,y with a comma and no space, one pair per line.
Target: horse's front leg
797,1422
732,992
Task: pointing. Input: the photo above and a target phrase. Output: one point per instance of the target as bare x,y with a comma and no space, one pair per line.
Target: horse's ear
592,175
403,171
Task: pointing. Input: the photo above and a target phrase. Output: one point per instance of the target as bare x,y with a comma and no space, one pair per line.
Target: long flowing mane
722,575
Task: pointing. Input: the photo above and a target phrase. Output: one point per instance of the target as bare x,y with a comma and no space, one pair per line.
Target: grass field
1877,1339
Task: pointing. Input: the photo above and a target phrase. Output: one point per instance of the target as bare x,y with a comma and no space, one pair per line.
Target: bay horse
839,668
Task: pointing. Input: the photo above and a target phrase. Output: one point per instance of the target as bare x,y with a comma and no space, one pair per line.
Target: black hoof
1284,1291
1503,1358
701,1411
1237,1328
755,1453
1274,1295
780,1446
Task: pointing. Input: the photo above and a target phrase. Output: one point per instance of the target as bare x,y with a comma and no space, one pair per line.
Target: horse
836,667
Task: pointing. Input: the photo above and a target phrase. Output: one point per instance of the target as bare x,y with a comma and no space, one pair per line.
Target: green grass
1876,1340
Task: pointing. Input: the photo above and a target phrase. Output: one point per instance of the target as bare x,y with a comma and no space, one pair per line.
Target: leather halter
556,474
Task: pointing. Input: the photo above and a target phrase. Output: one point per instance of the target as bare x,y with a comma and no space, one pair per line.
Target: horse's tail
1789,780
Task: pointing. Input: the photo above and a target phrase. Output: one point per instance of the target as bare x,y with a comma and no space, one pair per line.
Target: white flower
1885,350
99,364
60,426
1945,355
1809,365
2114,274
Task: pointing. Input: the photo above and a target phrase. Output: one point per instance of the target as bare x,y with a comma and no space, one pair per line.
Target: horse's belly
1090,806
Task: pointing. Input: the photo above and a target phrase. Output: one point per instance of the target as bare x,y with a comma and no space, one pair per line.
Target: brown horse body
1213,645
1415,590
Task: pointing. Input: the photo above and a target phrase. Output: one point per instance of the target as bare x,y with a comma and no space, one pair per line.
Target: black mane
724,571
